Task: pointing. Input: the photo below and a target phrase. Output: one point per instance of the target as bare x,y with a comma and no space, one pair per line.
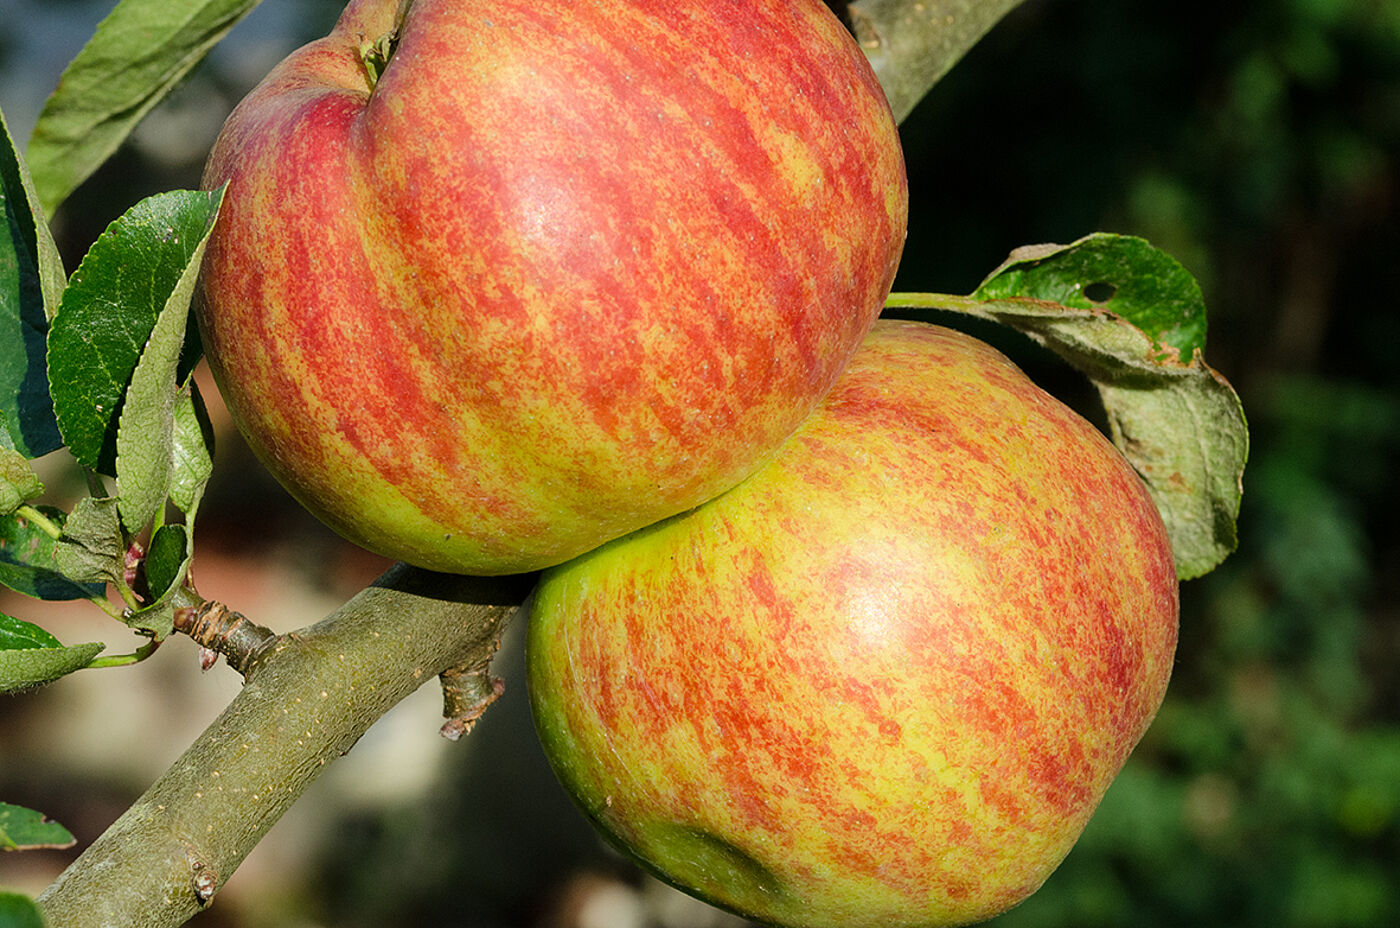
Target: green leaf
1122,274
135,271
30,656
18,911
31,277
19,635
22,828
157,619
92,549
139,53
21,669
167,560
192,457
166,565
1178,422
146,432
34,227
18,482
27,562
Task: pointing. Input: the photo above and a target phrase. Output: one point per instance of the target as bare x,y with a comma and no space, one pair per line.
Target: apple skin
886,680
573,266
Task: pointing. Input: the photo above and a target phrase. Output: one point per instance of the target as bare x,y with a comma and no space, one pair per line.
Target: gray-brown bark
913,44
308,698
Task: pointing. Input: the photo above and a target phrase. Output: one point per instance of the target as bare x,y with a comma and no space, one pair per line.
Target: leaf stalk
40,521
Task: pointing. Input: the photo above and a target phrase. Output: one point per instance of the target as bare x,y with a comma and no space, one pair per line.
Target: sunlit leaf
92,549
146,450
18,482
139,53
25,668
193,446
136,270
1122,274
19,635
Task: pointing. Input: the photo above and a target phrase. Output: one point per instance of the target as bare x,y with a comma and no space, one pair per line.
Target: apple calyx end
375,55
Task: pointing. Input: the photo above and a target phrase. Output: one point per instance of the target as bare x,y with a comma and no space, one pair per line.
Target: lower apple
887,679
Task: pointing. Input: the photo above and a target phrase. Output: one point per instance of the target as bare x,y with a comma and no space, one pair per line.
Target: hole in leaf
1100,292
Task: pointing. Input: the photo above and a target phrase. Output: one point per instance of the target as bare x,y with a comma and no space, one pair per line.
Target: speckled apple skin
886,680
572,267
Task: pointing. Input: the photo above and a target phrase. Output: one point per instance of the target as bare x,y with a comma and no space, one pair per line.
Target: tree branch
912,45
308,698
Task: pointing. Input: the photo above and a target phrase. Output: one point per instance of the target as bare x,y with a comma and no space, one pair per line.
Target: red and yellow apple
565,268
886,680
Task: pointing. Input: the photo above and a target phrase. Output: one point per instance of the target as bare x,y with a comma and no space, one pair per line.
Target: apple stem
375,54
39,521
125,660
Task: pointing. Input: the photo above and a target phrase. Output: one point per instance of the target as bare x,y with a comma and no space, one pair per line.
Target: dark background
1255,141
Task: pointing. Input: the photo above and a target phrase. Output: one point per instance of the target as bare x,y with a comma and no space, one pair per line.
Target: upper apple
567,268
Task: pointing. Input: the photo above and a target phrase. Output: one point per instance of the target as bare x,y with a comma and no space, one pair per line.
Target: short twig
467,692
220,630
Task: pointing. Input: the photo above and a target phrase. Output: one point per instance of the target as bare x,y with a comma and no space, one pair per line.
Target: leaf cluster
98,363
109,350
